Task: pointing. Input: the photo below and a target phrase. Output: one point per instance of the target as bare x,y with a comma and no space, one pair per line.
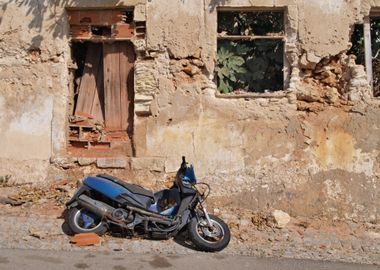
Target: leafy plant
247,23
250,65
230,65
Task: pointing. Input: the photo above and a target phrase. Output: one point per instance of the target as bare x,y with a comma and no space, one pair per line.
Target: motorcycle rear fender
73,202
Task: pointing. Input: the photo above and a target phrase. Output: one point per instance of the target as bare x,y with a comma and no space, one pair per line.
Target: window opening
127,16
99,25
104,31
375,46
366,47
250,51
357,40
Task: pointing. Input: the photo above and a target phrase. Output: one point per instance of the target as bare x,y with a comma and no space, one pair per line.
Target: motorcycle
106,203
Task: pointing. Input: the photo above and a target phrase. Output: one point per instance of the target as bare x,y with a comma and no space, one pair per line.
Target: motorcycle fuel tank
104,186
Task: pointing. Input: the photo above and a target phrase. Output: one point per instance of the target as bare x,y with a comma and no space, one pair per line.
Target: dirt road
117,260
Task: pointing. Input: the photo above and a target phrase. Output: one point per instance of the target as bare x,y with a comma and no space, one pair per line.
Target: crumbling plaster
304,153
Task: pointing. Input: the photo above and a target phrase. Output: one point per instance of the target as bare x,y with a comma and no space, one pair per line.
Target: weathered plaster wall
314,151
33,82
261,153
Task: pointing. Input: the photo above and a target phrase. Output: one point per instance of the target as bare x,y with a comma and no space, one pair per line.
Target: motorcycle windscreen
190,175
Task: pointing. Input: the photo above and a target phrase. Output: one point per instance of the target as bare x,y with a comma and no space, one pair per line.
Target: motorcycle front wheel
84,221
206,238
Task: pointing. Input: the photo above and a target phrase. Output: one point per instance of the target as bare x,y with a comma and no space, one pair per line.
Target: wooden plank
123,86
97,109
130,84
124,105
100,38
230,37
112,86
126,58
117,87
88,88
107,57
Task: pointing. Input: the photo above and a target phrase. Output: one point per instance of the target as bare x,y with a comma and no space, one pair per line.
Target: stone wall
312,150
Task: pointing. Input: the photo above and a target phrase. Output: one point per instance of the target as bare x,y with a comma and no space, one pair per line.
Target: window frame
281,93
375,12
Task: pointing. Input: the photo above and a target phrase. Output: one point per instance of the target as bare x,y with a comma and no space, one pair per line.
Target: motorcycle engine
122,215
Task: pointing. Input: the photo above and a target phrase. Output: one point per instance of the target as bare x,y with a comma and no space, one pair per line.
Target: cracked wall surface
312,150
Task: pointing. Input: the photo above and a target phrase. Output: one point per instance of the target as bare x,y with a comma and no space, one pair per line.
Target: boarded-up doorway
103,110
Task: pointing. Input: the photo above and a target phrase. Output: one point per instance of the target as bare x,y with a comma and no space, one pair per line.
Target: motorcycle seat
136,189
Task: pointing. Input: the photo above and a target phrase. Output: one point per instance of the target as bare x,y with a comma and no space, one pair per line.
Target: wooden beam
111,64
230,37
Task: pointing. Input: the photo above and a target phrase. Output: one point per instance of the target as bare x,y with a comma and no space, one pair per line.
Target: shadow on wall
39,10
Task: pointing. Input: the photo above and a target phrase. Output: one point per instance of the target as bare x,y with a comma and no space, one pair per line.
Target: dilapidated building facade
265,97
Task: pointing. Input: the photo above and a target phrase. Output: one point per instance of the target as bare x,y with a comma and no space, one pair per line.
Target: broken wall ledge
100,162
279,95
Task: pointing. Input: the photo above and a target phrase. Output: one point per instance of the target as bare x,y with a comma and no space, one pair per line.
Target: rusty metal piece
85,239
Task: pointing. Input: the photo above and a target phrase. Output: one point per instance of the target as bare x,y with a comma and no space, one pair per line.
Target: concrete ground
116,260
39,225
31,231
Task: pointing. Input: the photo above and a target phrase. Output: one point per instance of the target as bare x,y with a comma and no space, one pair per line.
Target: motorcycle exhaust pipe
104,210
97,207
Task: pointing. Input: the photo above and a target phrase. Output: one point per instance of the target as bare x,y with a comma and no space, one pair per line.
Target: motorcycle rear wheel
209,239
78,223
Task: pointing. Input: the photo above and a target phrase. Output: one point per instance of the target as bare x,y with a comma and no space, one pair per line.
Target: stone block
143,98
112,163
145,78
64,162
143,108
139,13
149,164
140,45
281,218
86,161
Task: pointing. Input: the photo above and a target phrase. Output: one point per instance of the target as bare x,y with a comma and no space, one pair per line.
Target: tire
76,223
198,230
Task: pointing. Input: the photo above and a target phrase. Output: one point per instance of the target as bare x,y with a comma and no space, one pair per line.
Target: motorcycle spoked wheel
209,239
83,221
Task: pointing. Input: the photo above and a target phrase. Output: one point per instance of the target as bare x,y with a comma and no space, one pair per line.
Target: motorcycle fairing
136,189
117,192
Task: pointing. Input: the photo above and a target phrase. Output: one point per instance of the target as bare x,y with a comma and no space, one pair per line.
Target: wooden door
118,59
90,100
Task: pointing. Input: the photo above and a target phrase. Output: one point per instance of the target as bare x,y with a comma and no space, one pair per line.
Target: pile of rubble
59,193
335,80
243,221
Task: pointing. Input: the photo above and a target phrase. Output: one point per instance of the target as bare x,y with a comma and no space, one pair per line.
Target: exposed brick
86,239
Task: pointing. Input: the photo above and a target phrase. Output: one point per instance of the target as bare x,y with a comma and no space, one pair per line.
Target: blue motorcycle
106,203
